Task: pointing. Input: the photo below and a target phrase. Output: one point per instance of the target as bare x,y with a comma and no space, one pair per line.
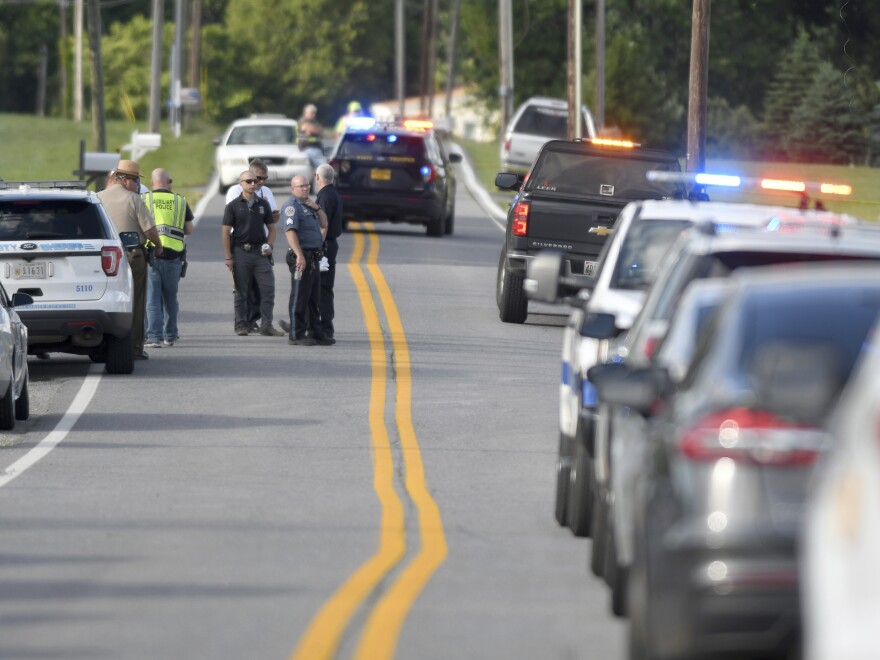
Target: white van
535,122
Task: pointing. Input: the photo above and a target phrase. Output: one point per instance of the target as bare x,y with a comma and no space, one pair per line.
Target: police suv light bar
360,123
732,181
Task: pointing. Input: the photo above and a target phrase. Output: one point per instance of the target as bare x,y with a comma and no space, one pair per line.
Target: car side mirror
542,276
598,325
639,389
20,299
218,140
130,239
455,158
508,181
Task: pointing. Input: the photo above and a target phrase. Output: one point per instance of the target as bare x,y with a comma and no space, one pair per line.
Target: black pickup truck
569,201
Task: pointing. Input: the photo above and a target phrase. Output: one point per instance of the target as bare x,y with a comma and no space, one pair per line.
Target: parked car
619,435
58,245
732,451
535,122
840,574
396,172
14,379
269,137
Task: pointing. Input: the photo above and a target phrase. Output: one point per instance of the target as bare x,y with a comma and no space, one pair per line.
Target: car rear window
375,145
609,176
549,122
283,134
49,219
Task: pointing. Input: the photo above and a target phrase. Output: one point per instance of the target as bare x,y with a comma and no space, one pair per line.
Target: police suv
59,246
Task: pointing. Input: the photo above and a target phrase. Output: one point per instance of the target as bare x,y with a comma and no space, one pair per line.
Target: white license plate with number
590,268
31,271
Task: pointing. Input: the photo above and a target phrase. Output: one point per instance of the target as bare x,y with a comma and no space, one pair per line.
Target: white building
468,119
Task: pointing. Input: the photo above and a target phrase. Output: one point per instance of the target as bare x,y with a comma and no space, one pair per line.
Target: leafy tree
731,132
23,29
792,80
824,127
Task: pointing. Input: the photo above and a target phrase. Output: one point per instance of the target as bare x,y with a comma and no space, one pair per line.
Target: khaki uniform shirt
127,210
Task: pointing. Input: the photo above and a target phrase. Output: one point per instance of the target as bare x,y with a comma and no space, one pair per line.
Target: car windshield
375,145
49,219
586,174
642,252
265,134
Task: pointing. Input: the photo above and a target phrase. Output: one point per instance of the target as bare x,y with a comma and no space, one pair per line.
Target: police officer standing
309,135
247,257
328,198
174,220
129,214
305,225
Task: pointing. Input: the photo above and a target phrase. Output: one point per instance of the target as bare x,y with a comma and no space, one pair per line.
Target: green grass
865,181
48,148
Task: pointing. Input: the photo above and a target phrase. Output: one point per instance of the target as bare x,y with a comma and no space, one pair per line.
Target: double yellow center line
379,636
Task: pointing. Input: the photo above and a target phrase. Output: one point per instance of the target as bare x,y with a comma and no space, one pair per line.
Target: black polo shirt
248,222
329,200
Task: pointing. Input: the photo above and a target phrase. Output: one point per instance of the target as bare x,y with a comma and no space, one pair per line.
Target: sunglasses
248,180
262,178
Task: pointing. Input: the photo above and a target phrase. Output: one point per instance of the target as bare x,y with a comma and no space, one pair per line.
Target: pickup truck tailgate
577,226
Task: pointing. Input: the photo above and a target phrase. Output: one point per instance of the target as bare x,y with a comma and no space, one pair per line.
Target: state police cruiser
174,220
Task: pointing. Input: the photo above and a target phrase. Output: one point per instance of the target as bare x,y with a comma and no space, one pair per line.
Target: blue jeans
162,282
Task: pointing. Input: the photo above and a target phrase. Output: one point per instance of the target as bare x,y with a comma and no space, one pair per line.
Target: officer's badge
289,211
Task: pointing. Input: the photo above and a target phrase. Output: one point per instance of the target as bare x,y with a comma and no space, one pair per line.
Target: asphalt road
237,497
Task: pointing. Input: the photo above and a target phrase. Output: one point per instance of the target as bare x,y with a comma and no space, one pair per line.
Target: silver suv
58,245
535,122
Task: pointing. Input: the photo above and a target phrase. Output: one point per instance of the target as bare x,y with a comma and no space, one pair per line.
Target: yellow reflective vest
169,214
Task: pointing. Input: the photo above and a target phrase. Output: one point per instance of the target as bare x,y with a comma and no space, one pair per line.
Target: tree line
788,79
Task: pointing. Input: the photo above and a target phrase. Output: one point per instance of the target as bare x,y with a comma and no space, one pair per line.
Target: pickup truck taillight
520,219
507,146
111,257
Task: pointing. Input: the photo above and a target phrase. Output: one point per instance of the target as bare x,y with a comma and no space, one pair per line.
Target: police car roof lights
765,183
360,123
418,124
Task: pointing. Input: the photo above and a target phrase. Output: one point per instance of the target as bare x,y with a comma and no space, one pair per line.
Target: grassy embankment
48,148
865,181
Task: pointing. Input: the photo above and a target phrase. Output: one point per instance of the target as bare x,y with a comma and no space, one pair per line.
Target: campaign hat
128,168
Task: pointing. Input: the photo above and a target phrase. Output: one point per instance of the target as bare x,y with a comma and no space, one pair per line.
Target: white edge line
496,213
212,189
77,407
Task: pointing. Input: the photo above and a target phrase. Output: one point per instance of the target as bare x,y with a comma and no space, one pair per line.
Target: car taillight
753,436
520,219
111,257
428,172
507,146
650,346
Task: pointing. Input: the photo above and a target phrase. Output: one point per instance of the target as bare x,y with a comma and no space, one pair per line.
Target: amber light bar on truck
608,142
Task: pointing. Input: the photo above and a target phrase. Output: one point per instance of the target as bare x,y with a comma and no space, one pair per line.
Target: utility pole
62,68
78,60
195,54
599,110
156,67
176,58
574,68
41,81
399,67
431,81
698,86
450,60
99,127
423,55
505,47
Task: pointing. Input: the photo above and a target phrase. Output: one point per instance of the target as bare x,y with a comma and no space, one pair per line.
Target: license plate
380,174
31,271
590,268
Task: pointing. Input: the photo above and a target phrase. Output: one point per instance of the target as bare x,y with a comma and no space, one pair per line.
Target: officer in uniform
244,223
128,212
329,199
305,225
174,220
